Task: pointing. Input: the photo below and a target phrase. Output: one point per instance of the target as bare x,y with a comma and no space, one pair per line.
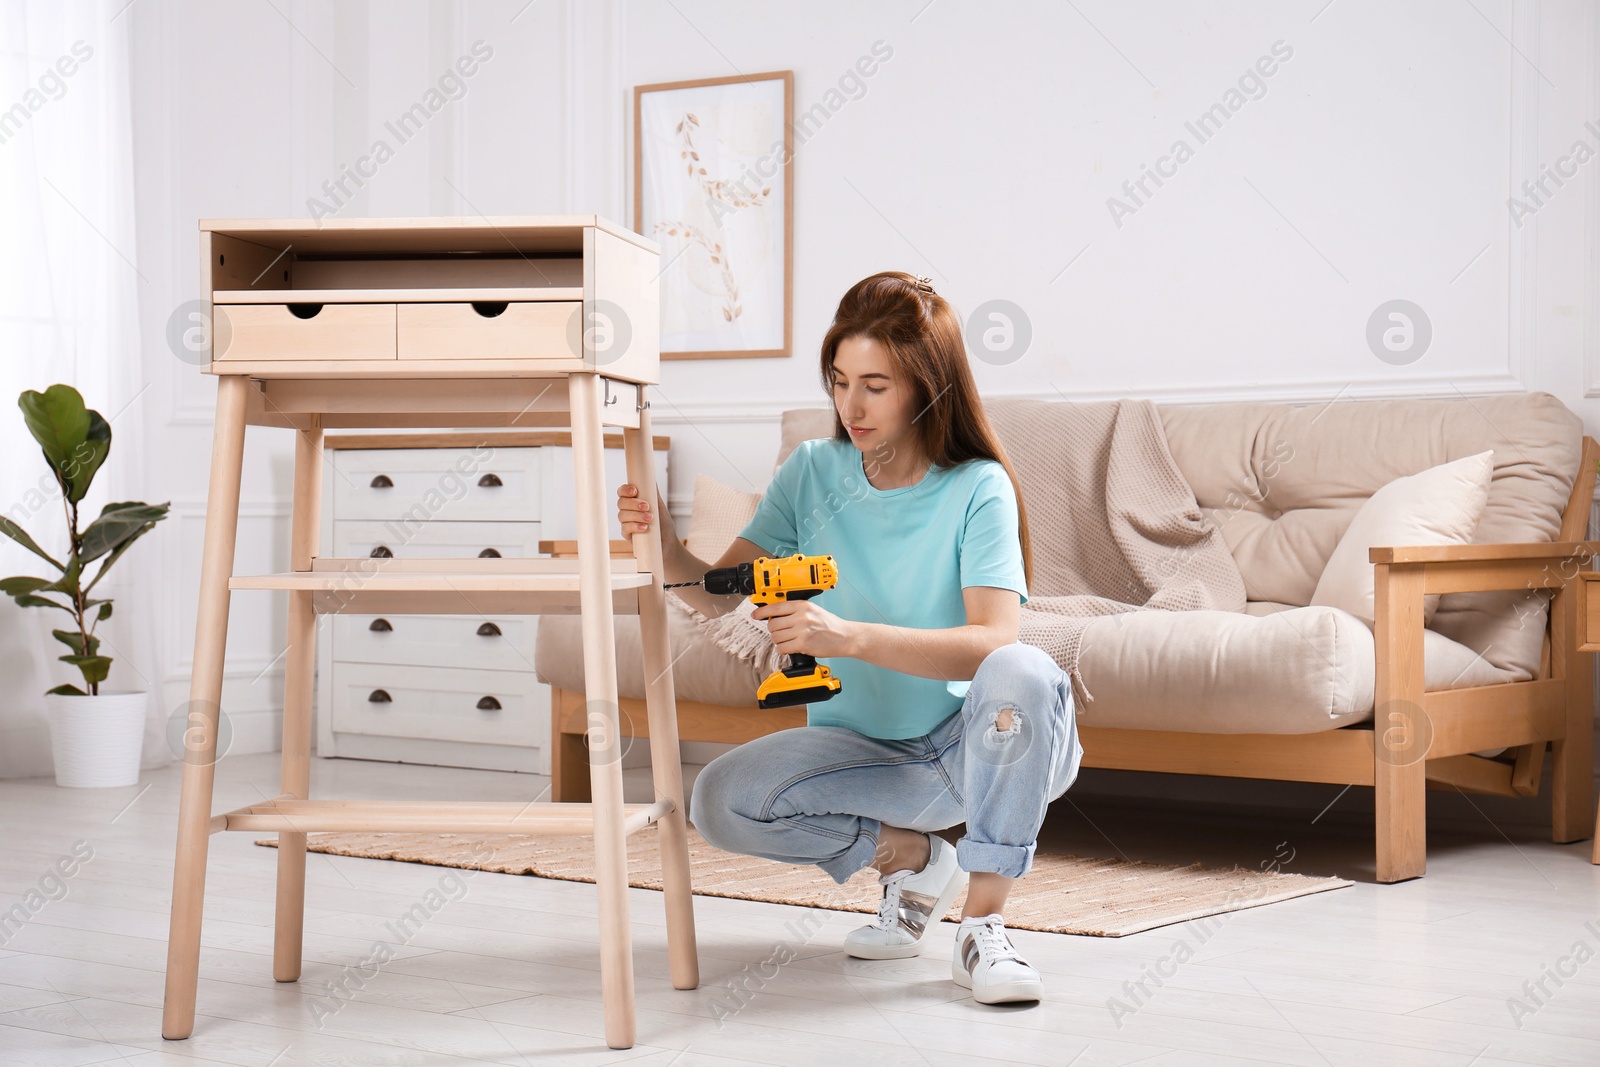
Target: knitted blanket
1115,528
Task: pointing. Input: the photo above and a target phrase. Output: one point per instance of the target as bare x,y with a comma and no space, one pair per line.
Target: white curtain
69,289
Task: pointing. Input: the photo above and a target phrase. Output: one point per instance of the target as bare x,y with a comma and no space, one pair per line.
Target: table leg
600,685
666,759
298,698
205,698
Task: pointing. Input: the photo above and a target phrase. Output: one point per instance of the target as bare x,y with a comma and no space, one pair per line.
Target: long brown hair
922,334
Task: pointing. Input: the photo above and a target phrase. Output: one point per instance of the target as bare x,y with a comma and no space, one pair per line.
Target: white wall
1377,165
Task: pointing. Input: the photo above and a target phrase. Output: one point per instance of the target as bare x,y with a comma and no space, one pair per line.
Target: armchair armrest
1482,568
1454,553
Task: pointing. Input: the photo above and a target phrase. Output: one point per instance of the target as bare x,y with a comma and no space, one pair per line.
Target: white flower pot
96,740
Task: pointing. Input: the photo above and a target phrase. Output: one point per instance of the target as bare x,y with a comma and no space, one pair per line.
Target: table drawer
502,330
435,540
417,485
438,703
491,643
303,331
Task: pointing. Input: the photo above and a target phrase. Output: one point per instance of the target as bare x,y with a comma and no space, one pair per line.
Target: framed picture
713,184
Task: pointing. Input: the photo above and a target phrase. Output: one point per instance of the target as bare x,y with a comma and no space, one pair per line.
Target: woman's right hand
635,514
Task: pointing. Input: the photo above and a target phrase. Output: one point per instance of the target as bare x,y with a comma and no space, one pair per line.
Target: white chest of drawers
448,690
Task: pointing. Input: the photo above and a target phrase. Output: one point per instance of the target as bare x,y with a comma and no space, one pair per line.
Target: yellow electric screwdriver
767,580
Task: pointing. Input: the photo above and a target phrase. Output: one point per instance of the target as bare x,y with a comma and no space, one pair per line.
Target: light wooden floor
504,969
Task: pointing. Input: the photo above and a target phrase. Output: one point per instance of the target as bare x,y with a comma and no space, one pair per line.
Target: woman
942,715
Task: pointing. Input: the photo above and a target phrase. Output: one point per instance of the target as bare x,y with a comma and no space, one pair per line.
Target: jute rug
1061,894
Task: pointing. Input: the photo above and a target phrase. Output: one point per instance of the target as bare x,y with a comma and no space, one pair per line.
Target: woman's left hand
799,626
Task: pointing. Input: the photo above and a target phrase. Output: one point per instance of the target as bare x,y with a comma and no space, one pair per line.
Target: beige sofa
1284,690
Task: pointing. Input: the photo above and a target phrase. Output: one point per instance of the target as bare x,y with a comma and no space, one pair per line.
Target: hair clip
925,284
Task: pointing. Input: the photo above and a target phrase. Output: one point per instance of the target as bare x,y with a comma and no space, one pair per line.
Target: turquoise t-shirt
903,557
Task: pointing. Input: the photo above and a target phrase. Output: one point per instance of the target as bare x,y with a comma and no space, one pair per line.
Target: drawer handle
489,308
382,481
489,629
380,626
380,696
304,311
490,481
488,704
489,553
382,552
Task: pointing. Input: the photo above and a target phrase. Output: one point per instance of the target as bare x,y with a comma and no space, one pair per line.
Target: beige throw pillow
1438,506
719,512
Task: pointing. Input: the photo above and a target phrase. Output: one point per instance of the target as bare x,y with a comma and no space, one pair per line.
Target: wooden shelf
489,234
533,575
285,814
430,582
490,438
392,296
451,586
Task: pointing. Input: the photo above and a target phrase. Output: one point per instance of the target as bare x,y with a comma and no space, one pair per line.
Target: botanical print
712,172
720,191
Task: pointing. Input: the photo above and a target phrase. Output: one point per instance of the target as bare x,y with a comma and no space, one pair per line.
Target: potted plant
96,735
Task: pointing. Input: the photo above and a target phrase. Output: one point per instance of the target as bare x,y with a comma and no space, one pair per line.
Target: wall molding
1522,244
572,116
761,412
1591,265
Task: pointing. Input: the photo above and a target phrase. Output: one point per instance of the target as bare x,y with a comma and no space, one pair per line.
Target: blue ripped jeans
820,794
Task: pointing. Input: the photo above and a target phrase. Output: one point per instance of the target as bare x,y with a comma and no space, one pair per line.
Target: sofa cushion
1284,481
1273,668
1439,506
802,424
718,514
700,670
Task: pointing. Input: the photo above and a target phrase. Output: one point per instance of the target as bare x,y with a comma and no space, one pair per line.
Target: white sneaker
986,963
913,903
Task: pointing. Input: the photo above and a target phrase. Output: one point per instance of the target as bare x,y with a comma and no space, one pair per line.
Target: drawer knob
490,481
488,704
379,696
489,308
489,629
489,553
305,311
382,552
382,481
380,626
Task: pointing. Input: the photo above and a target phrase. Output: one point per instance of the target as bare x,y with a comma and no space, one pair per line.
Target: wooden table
428,323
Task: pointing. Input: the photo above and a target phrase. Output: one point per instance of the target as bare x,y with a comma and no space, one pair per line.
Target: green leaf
20,536
58,421
74,640
75,440
109,560
68,582
94,668
116,554
87,457
19,585
105,611
41,602
67,691
118,524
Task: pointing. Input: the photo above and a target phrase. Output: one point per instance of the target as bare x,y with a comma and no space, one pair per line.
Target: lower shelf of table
292,815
